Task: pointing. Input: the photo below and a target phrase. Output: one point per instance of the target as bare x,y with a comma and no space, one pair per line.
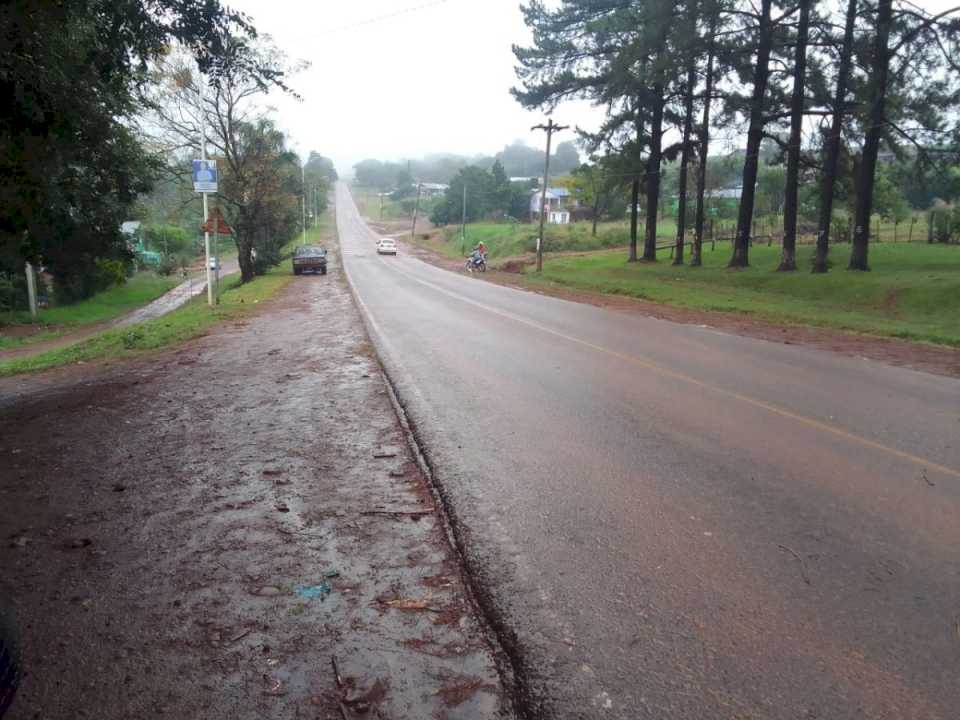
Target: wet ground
235,528
677,521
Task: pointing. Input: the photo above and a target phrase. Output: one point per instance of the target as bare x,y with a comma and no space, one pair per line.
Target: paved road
676,522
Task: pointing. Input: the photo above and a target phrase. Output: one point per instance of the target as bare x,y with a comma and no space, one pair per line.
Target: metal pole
206,207
463,222
216,240
303,203
31,290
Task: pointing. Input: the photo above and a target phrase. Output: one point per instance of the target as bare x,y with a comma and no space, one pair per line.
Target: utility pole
416,211
206,208
31,289
303,203
463,223
550,128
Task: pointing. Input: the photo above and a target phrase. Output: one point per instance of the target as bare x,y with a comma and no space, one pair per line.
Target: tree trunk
245,257
761,74
877,92
634,202
697,257
596,212
832,150
684,160
653,175
788,257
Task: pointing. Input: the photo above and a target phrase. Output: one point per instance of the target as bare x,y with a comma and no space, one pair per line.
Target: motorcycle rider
479,253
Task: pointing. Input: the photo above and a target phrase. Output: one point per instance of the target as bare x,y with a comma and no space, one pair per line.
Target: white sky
393,79
435,79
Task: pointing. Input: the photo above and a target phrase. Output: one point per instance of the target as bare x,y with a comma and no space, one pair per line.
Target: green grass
187,322
184,323
139,290
369,205
505,240
913,291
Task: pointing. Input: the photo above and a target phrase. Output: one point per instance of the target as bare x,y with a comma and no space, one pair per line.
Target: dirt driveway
234,529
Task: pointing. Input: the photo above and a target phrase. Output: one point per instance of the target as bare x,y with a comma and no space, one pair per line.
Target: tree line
516,160
102,113
831,86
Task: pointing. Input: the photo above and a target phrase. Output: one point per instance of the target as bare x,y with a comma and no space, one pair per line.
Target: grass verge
138,291
912,292
184,323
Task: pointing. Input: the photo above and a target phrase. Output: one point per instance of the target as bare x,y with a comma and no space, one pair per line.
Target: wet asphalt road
676,522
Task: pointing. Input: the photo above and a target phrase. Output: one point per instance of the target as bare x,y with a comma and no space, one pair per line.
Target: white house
433,189
556,201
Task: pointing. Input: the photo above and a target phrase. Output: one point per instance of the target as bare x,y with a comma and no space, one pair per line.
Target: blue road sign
205,176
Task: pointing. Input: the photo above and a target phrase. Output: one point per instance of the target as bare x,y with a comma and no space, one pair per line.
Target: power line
375,20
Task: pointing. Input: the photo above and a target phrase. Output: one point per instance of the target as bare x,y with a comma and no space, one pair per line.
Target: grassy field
505,240
189,321
913,291
369,205
139,290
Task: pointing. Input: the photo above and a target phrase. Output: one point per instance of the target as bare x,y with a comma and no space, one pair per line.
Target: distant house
431,190
131,228
558,205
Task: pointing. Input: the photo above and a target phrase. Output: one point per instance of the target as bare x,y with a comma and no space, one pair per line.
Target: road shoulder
234,528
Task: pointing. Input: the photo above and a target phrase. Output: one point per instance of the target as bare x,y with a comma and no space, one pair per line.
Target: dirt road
199,534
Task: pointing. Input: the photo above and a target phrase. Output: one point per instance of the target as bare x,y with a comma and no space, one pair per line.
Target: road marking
667,372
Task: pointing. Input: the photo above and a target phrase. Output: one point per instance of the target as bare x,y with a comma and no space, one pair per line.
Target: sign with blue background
205,176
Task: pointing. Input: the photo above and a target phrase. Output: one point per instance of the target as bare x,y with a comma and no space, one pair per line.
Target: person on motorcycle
479,253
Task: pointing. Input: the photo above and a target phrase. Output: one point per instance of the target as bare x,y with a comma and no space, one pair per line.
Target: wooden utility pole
463,221
550,128
416,211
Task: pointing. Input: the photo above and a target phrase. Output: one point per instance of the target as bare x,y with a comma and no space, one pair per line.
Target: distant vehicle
214,263
387,246
309,258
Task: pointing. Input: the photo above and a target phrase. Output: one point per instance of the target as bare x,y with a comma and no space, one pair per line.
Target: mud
233,528
937,359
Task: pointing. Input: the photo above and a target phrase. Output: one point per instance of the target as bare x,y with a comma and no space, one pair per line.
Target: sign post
205,182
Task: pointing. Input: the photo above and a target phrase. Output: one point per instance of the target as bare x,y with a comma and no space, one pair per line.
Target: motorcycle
477,262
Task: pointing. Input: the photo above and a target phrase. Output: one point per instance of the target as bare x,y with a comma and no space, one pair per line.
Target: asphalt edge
505,646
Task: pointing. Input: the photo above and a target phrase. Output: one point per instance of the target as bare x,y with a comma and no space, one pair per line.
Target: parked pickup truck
309,258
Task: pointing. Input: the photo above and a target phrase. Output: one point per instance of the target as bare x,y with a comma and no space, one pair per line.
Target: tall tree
876,97
757,121
832,143
688,91
788,258
696,258
71,162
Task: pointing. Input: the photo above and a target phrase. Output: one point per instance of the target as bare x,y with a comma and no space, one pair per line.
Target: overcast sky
393,79
433,79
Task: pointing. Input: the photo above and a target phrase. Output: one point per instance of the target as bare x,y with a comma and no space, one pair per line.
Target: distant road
677,522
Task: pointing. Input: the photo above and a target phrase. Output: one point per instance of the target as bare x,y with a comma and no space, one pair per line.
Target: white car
387,246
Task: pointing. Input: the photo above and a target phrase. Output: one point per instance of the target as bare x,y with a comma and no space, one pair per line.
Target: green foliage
912,292
182,324
71,165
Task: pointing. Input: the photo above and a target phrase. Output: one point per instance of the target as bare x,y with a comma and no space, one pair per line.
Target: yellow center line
682,377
